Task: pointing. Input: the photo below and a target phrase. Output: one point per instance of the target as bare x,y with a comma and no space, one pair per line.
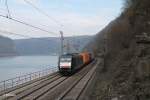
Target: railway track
25,86
56,87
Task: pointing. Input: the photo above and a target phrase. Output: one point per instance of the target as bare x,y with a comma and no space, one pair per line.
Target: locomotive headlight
65,64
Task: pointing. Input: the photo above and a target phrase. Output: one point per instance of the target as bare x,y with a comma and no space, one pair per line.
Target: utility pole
68,47
62,44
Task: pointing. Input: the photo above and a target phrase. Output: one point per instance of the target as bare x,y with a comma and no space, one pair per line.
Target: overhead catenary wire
29,25
1,6
44,13
7,8
12,33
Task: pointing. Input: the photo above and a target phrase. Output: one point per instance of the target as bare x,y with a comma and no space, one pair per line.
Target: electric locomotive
70,63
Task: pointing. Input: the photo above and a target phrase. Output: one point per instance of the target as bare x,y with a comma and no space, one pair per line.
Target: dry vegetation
127,63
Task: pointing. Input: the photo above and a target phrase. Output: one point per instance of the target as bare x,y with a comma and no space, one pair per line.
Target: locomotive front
65,64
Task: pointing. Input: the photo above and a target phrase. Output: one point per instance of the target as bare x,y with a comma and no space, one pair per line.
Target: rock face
126,71
7,47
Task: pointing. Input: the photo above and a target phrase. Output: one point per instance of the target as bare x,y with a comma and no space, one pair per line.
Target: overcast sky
78,17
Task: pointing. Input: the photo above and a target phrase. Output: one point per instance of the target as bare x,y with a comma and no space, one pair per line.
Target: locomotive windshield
65,59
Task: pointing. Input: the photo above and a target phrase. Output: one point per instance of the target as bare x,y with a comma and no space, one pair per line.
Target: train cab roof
69,55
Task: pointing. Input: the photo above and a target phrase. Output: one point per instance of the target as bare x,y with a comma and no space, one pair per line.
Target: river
11,67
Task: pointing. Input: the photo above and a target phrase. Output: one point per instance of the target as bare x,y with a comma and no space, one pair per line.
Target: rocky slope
7,47
126,47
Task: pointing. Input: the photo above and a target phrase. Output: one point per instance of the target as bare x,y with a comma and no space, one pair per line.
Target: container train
71,63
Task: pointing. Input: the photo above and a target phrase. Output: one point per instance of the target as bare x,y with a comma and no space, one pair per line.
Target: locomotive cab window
65,59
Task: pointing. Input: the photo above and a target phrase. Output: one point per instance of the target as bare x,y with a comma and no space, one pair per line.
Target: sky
73,17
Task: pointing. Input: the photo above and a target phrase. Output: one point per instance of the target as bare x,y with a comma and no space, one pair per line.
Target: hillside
7,47
51,45
125,44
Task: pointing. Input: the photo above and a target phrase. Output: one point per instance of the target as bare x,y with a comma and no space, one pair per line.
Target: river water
11,67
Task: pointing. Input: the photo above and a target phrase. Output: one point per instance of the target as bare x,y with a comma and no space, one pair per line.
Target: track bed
56,86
